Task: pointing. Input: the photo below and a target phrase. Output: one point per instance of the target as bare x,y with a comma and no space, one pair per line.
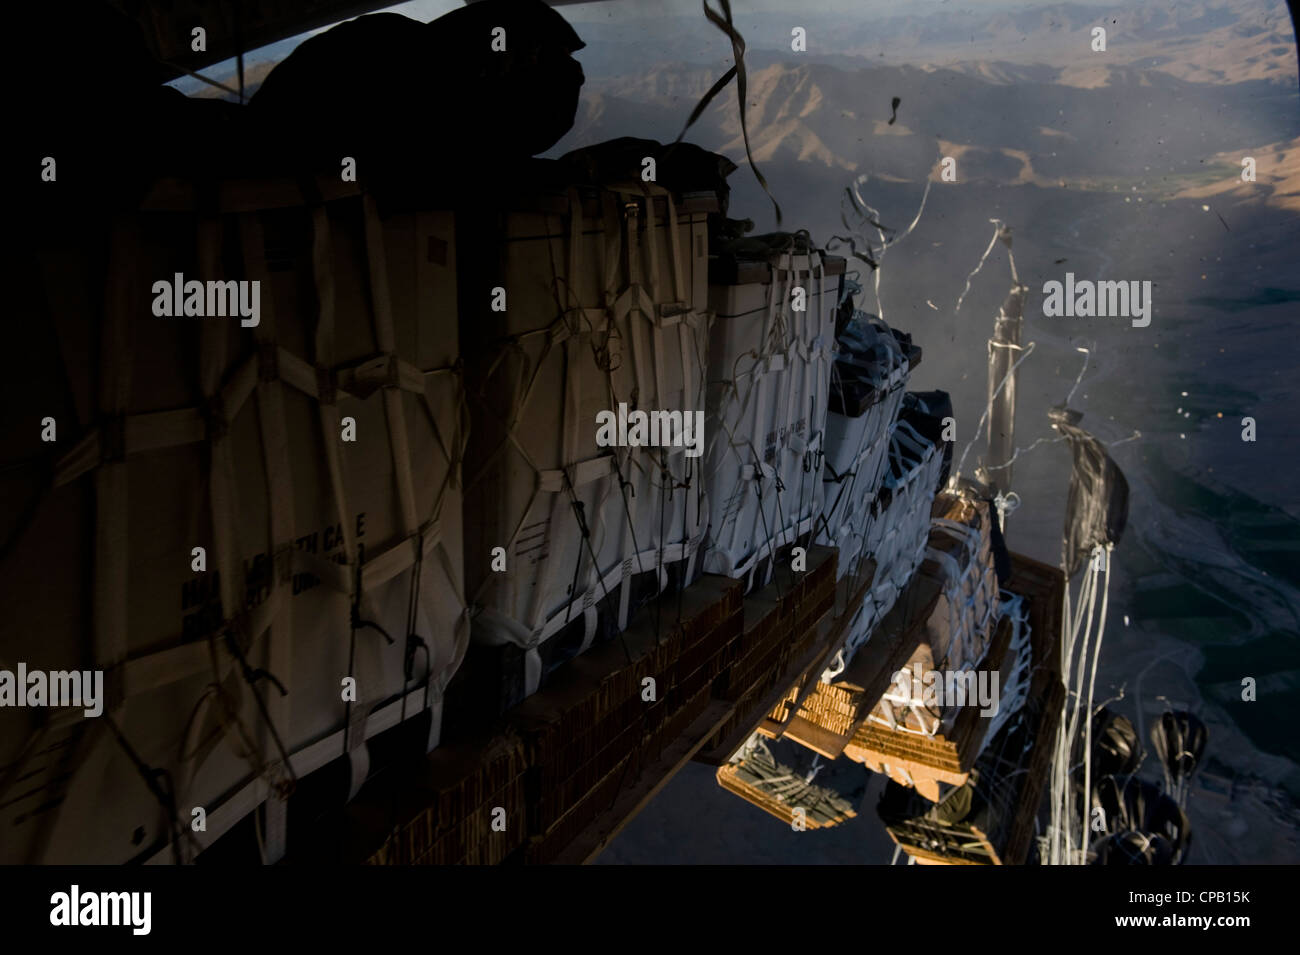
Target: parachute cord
988,408
1087,596
908,231
1062,801
1087,604
872,217
997,231
160,785
623,485
1090,586
1006,504
1132,437
723,21
1092,682
1037,441
1058,790
1086,355
816,768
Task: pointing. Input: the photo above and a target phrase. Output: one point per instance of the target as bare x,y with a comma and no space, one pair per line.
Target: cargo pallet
945,757
932,844
822,807
832,720
792,666
1043,588
799,714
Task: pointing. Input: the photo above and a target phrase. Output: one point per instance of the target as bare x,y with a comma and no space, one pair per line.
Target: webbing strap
112,532
685,331
389,563
214,339
622,295
386,338
652,245
279,489
223,498
675,246
131,434
575,248
612,249
911,439
322,266
264,373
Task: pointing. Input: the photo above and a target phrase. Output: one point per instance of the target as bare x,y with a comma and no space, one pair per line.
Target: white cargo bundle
970,590
960,629
856,446
769,375
604,312
1015,687
897,534
258,503
898,525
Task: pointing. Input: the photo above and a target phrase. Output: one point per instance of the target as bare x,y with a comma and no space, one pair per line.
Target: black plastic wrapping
1097,507
1130,804
1179,740
925,411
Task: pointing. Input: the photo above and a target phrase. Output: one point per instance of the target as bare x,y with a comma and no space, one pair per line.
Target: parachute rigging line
998,229
871,216
988,408
723,21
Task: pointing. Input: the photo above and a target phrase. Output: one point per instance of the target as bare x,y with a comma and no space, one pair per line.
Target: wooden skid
943,757
909,757
447,807
573,748
809,691
586,753
868,675
795,646
729,778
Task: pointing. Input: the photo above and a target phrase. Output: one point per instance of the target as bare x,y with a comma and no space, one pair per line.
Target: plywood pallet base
801,658
867,677
923,762
729,778
943,757
632,797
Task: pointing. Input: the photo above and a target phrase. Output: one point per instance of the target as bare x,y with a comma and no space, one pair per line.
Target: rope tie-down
899,520
260,665
601,315
770,368
960,633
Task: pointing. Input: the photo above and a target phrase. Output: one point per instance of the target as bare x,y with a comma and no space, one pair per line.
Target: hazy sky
632,21
604,9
